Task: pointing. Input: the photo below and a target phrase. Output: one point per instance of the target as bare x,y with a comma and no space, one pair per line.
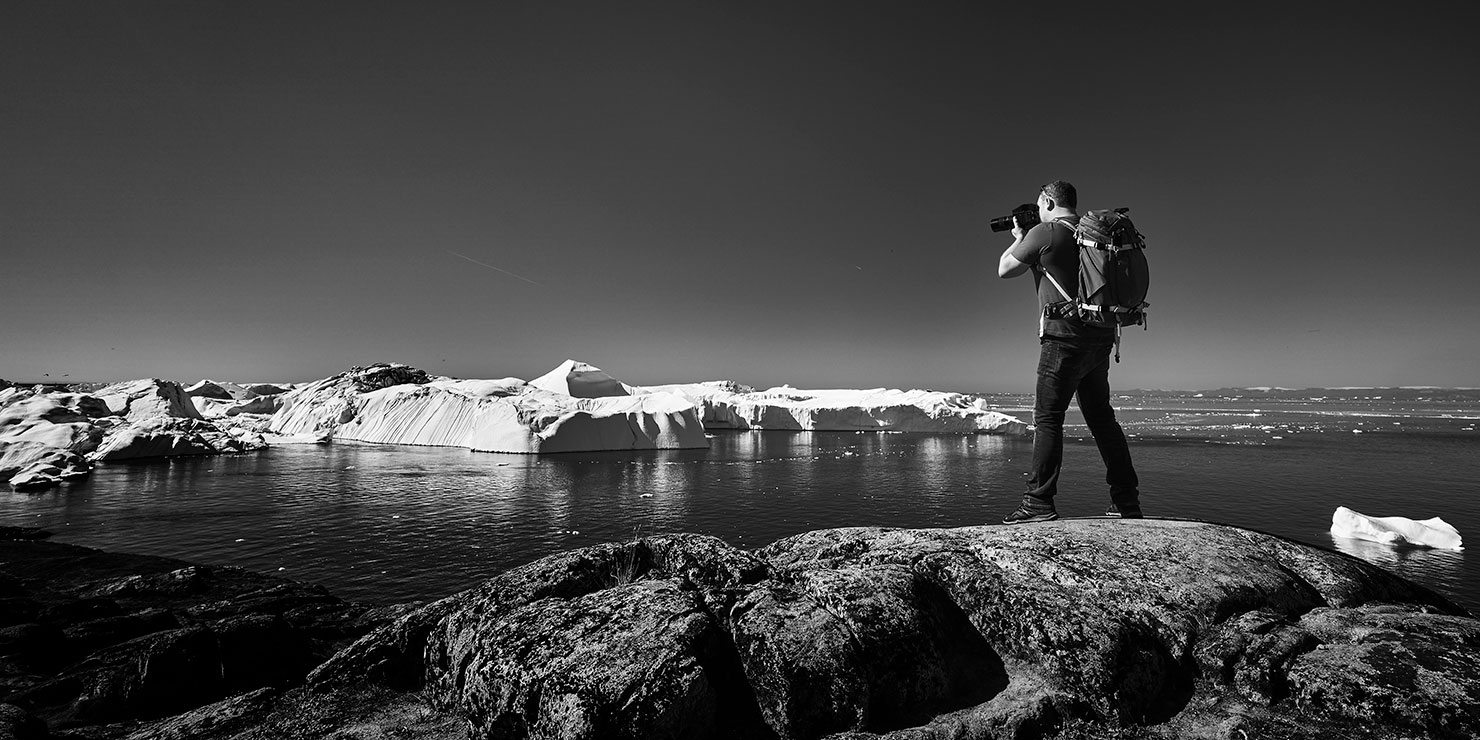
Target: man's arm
1009,266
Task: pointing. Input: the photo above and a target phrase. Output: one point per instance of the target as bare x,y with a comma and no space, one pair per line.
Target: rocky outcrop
1080,628
103,640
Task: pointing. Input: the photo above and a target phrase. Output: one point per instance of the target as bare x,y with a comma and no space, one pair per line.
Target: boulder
18,724
121,638
1094,628
1078,628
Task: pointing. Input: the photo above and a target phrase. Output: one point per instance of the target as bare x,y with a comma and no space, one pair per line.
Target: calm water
389,523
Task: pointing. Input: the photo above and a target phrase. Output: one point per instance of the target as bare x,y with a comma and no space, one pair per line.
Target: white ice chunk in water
1396,530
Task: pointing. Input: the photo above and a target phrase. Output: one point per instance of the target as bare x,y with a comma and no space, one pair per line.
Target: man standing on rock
1073,360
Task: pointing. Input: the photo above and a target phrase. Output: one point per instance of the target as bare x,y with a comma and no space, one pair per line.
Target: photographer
1073,360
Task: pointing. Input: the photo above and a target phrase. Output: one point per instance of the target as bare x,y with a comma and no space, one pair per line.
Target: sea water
385,524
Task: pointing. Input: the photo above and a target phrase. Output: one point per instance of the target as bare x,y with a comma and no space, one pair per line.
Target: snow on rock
139,399
580,380
730,406
1396,530
506,415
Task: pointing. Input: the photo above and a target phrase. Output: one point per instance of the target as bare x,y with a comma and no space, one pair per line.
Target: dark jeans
1069,367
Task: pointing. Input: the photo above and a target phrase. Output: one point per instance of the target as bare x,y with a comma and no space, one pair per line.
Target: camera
1024,216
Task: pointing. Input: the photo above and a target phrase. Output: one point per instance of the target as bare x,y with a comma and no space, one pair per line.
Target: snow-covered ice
507,415
729,406
1396,530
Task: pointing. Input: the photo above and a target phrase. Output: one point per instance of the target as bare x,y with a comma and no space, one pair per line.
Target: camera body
1024,216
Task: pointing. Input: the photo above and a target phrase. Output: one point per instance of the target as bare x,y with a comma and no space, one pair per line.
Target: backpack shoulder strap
1060,288
1075,231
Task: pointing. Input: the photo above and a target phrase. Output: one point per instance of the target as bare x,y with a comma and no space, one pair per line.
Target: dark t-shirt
1053,248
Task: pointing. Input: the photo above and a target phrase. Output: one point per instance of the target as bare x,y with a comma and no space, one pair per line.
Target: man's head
1057,198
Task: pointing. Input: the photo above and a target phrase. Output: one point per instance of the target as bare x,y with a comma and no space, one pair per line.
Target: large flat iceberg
393,404
730,406
577,407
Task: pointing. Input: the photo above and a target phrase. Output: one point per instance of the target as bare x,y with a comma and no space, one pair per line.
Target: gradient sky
766,192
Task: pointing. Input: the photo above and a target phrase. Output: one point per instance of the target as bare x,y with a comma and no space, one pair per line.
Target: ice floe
1396,530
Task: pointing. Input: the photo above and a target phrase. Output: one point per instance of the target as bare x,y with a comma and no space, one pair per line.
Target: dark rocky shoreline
1074,629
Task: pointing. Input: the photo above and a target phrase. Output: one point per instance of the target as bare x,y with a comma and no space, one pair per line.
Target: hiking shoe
1024,515
1127,511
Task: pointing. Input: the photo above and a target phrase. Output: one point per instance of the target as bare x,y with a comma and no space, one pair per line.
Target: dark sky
767,192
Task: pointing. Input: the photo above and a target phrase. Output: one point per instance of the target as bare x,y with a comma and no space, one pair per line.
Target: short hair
1061,193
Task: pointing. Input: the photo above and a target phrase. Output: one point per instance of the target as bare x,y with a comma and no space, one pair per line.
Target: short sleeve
1030,250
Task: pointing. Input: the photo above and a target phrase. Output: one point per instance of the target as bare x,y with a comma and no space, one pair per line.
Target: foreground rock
103,641
1079,628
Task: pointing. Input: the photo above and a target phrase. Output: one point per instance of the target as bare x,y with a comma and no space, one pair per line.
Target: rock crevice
1089,628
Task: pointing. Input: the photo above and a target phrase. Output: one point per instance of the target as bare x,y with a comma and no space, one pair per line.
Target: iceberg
580,380
141,399
728,405
576,407
505,415
1396,530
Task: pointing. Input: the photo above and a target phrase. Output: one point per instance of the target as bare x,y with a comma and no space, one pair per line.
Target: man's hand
1017,232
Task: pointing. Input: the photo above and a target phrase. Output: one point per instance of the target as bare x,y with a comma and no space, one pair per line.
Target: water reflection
1440,569
387,523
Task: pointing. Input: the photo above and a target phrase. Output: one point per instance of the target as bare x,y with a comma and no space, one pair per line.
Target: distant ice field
394,523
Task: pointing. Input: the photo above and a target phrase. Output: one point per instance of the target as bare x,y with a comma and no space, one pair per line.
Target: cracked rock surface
1075,628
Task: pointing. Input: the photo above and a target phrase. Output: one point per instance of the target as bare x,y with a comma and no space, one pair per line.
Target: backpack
1113,276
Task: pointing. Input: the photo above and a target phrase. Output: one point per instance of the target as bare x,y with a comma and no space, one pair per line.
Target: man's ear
1048,204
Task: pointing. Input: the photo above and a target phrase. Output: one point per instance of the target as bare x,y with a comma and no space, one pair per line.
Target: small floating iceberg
1396,530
